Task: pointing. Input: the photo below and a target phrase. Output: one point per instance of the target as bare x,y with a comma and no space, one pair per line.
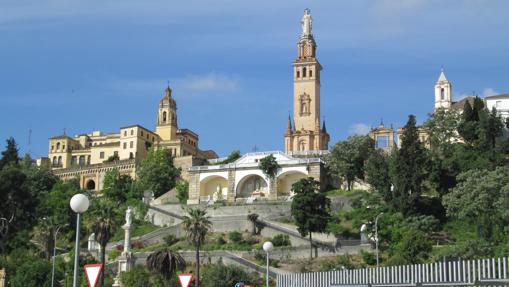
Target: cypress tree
10,154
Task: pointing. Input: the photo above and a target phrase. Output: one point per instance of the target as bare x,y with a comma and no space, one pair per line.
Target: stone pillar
126,259
272,188
194,188
2,278
231,186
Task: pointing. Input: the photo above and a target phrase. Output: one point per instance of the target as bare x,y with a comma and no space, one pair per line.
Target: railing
308,153
481,272
254,164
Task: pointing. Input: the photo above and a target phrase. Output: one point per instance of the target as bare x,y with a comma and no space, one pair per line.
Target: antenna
29,140
64,131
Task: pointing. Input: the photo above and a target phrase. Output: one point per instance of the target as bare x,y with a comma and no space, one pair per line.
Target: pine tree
10,154
409,169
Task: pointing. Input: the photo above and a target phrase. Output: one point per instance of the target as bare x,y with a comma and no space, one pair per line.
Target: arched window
442,94
302,145
58,146
164,117
54,160
304,72
311,73
59,160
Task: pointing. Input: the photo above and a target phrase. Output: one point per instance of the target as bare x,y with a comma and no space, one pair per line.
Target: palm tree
103,221
253,217
165,262
197,225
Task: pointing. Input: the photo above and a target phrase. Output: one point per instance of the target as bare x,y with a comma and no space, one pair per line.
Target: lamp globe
79,203
267,246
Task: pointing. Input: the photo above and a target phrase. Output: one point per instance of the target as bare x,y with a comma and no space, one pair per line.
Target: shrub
182,189
220,275
170,239
113,254
235,236
368,257
220,240
281,240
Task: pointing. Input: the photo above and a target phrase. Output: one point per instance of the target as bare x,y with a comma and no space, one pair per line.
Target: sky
87,65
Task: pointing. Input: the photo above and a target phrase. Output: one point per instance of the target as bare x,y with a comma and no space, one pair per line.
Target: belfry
306,133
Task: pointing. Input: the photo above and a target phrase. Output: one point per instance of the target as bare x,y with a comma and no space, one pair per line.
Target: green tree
10,154
157,172
269,166
102,219
220,275
139,276
117,187
378,175
481,197
409,170
165,262
33,273
310,208
442,127
414,248
347,158
182,190
197,224
233,156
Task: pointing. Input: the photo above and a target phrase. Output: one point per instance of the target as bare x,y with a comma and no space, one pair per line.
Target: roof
136,126
461,103
442,77
494,97
61,137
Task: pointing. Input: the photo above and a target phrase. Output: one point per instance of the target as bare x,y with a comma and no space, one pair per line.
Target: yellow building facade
89,156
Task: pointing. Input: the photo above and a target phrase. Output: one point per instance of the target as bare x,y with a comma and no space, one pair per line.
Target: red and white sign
185,279
93,272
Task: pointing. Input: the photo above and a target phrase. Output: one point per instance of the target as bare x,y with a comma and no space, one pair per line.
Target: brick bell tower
306,134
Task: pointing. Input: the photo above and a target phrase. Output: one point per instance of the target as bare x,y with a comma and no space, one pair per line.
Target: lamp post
376,237
267,247
79,204
55,253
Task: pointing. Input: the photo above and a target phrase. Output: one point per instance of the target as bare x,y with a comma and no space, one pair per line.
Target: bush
220,240
235,236
414,247
368,257
34,273
281,240
182,189
113,254
221,275
170,239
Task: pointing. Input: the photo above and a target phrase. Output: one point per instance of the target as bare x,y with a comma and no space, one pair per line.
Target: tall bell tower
166,126
306,134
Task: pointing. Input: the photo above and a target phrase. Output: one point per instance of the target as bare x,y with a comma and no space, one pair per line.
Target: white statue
306,23
129,216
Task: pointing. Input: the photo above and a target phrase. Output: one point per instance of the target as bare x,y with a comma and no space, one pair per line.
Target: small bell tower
167,126
443,92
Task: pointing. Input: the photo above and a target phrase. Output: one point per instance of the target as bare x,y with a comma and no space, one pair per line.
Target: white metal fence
482,272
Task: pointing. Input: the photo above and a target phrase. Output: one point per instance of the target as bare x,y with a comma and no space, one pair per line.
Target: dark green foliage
378,176
118,188
410,169
112,158
165,262
220,275
369,258
140,276
414,247
280,240
33,273
346,159
197,225
269,166
182,189
233,156
310,209
235,236
170,239
157,172
10,154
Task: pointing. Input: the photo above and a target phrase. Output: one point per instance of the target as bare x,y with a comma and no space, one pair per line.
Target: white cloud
359,129
489,92
211,82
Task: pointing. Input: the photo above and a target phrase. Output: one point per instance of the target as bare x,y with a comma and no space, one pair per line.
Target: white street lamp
267,247
79,204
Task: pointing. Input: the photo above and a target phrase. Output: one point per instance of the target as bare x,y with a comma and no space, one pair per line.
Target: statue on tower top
306,23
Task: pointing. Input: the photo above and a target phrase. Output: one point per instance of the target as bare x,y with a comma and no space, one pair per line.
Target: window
58,146
311,73
52,147
54,160
63,147
498,104
82,160
298,74
125,133
382,141
115,153
125,145
304,72
131,144
164,117
131,155
442,94
132,132
73,160
141,133
59,160
101,155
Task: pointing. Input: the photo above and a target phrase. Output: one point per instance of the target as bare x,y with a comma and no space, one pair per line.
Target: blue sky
99,65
